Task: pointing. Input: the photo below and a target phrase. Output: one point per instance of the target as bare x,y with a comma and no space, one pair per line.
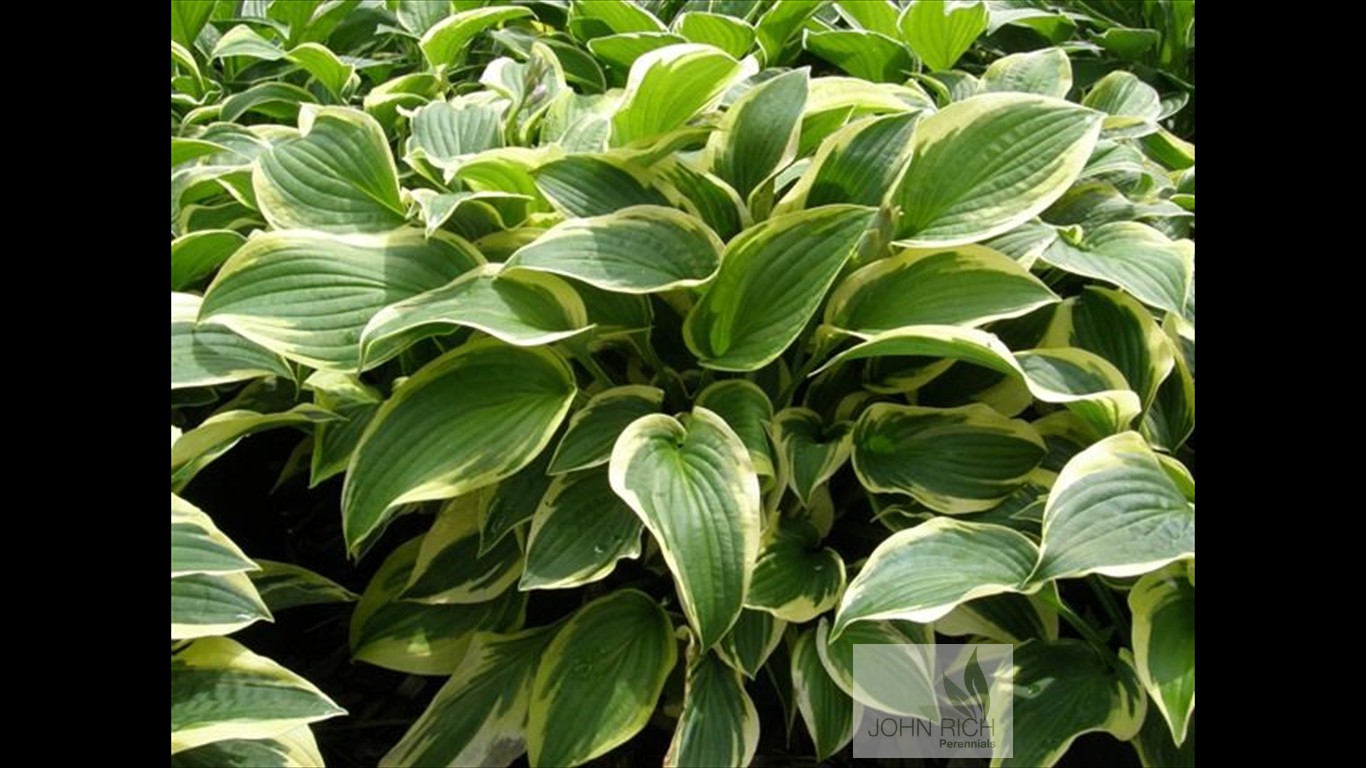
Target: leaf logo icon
977,696
976,682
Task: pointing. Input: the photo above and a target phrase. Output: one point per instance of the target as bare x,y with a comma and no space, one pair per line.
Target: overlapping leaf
580,531
983,166
772,279
220,690
468,419
968,285
588,695
641,249
308,295
519,307
693,485
337,176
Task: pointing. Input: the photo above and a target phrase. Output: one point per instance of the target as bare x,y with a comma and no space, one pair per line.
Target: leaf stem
1107,601
805,367
1074,620
708,376
579,351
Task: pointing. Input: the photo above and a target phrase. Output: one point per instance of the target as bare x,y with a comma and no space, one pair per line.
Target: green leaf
1128,43
218,433
856,164
619,16
280,101
466,420
292,749
706,196
772,279
450,567
751,640
479,716
1053,26
185,150
1122,94
746,408
1155,747
827,711
580,531
407,92
1133,256
472,214
293,16
504,507
983,166
1163,607
873,15
795,579
952,85
811,452
189,86
719,724
417,638
285,585
1170,418
197,546
1114,511
418,16
732,35
863,98
905,680
445,133
588,185
1004,618
220,690
214,604
334,442
1063,689
325,66
1047,72
519,307
621,51
579,122
227,215
758,134
1114,326
940,32
779,24
595,427
1169,149
1078,379
196,255
642,249
1101,396
692,483
590,695
188,17
952,460
867,55
445,42
206,355
337,176
968,285
921,573
308,295
668,86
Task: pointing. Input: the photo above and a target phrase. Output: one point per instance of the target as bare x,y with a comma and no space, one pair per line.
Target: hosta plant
656,354
230,706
